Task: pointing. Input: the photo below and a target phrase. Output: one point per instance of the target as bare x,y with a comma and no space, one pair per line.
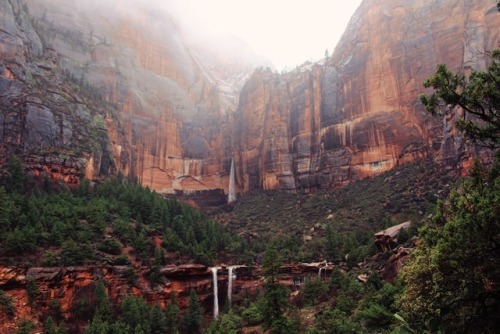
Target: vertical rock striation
90,88
357,113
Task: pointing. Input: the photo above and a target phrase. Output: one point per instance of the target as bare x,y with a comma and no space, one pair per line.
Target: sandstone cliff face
357,113
88,88
157,101
42,118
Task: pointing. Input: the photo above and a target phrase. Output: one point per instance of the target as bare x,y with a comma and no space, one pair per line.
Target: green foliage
350,293
111,246
192,319
6,305
73,253
340,221
374,317
15,177
334,321
312,291
25,326
253,314
171,317
33,292
54,311
103,307
154,275
130,275
135,313
477,94
106,218
451,277
333,244
275,300
6,206
157,320
228,323
50,326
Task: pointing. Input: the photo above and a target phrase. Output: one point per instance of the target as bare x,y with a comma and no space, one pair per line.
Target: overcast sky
288,32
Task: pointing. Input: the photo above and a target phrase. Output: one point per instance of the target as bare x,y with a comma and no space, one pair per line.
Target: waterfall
319,272
230,278
231,197
216,292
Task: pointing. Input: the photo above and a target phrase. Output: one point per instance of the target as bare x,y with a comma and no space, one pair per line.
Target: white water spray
319,272
230,278
216,292
231,197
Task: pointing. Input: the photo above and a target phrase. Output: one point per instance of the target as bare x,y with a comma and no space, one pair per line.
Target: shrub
6,305
111,246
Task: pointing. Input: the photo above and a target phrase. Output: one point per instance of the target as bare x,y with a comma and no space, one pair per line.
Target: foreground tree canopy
452,280
477,94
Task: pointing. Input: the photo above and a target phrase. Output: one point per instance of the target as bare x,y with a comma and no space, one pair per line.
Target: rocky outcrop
82,93
388,239
72,285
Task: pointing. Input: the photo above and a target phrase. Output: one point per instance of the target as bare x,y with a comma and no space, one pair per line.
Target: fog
286,32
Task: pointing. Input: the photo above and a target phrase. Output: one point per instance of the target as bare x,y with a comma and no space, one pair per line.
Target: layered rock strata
357,113
69,286
83,92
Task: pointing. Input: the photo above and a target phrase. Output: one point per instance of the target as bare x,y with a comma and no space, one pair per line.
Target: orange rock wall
357,113
176,113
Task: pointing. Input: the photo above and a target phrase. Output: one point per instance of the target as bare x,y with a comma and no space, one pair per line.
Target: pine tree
332,244
157,320
5,210
171,314
450,279
275,294
15,178
477,94
103,304
192,319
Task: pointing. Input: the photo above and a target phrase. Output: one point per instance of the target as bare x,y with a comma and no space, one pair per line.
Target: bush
374,316
225,324
111,246
252,315
122,260
6,305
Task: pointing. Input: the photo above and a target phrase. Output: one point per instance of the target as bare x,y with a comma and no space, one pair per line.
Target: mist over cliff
92,88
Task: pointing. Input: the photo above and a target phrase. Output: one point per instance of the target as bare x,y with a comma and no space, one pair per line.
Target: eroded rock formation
92,94
357,113
70,285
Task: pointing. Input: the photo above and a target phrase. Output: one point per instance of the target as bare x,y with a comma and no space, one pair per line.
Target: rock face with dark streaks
86,93
128,91
357,113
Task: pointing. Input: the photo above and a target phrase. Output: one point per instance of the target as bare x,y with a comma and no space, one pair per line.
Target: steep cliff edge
157,100
357,113
89,88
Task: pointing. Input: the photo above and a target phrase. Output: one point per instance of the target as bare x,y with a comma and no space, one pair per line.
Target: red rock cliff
172,112
357,113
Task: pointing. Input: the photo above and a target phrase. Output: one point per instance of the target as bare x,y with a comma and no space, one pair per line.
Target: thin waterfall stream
230,278
231,197
216,292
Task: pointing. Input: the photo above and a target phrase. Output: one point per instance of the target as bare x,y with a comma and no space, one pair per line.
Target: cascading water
230,278
231,196
319,272
216,292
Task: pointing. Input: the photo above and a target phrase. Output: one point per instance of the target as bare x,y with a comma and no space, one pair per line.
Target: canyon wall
357,113
89,88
